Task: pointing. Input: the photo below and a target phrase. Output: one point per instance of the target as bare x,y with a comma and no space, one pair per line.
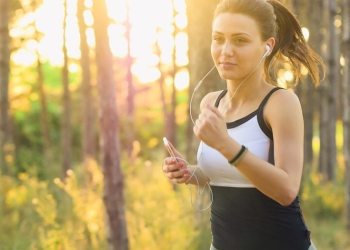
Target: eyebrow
234,34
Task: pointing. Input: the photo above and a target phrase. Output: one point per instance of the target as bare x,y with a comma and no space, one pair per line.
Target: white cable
198,186
226,106
234,93
196,88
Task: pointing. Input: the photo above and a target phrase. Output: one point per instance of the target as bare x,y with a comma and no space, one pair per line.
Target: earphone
267,51
201,81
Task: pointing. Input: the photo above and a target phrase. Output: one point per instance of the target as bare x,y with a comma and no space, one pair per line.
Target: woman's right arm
178,171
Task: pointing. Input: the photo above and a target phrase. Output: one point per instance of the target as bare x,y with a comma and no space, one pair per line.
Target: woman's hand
211,127
175,169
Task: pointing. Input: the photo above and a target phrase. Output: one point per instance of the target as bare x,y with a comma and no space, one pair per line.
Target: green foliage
26,116
324,209
327,199
53,215
327,233
158,217
70,215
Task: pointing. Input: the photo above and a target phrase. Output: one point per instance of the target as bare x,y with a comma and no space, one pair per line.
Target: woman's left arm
283,114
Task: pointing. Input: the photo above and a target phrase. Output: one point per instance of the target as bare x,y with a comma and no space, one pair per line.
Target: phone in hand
167,145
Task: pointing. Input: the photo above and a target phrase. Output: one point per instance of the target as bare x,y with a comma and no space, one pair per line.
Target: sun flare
151,25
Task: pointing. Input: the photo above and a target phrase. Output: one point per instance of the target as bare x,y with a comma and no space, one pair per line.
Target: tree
306,90
4,81
42,98
66,123
170,114
309,17
311,98
109,130
200,61
346,104
88,138
199,31
130,87
328,92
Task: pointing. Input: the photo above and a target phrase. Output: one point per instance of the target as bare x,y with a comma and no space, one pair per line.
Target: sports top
243,218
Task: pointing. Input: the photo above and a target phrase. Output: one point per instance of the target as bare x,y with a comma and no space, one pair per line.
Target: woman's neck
241,91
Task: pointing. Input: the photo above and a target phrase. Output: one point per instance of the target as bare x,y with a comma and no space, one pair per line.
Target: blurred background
88,88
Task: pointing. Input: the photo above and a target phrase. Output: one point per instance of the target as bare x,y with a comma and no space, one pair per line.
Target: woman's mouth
227,64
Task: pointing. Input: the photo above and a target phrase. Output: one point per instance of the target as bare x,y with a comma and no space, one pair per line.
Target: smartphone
166,143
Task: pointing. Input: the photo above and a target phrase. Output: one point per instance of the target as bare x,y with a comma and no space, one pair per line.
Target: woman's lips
227,64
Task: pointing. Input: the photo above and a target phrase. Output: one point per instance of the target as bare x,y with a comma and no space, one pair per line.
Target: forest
88,89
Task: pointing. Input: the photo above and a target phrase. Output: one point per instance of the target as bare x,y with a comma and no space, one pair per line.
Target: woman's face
236,46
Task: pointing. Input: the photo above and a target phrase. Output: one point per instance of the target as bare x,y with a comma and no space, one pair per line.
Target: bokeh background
88,89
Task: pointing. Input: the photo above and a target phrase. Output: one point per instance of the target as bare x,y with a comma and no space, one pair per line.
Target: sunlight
151,23
118,43
342,60
117,10
182,80
288,75
145,74
88,18
306,33
73,67
181,49
181,21
24,57
148,60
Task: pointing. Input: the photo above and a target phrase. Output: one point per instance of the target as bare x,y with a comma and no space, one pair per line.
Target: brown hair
275,20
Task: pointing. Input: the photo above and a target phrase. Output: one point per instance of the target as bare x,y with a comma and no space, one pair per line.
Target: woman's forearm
197,177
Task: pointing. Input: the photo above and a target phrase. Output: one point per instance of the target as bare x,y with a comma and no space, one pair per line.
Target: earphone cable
200,193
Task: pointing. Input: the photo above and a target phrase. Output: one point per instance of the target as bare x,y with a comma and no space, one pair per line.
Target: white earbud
267,51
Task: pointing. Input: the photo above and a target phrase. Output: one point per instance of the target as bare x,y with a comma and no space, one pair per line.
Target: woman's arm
178,172
283,114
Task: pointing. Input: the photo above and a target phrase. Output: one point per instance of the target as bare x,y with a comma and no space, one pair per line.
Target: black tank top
246,219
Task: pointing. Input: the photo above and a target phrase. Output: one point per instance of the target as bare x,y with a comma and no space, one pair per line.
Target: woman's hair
275,20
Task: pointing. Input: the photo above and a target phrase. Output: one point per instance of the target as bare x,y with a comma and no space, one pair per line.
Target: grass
328,233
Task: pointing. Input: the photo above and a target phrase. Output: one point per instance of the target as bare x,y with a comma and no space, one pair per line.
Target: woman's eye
239,40
218,39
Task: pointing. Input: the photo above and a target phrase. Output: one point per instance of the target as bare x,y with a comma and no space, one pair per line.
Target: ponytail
292,47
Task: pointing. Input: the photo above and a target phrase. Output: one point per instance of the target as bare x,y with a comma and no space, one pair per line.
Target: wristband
239,156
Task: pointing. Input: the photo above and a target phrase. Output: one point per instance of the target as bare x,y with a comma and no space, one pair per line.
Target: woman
252,132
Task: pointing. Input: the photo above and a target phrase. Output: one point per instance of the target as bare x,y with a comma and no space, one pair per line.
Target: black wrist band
239,156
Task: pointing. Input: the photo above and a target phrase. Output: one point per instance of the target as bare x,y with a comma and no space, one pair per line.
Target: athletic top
243,218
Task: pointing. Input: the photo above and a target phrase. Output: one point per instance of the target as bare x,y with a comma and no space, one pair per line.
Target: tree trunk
199,30
346,104
328,90
66,124
305,91
334,81
4,82
170,119
200,16
131,89
109,125
44,124
88,135
315,38
43,114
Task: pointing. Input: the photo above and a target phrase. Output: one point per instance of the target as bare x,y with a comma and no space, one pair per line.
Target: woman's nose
227,49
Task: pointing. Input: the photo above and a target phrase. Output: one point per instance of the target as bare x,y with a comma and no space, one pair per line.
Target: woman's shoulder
282,103
283,98
210,98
